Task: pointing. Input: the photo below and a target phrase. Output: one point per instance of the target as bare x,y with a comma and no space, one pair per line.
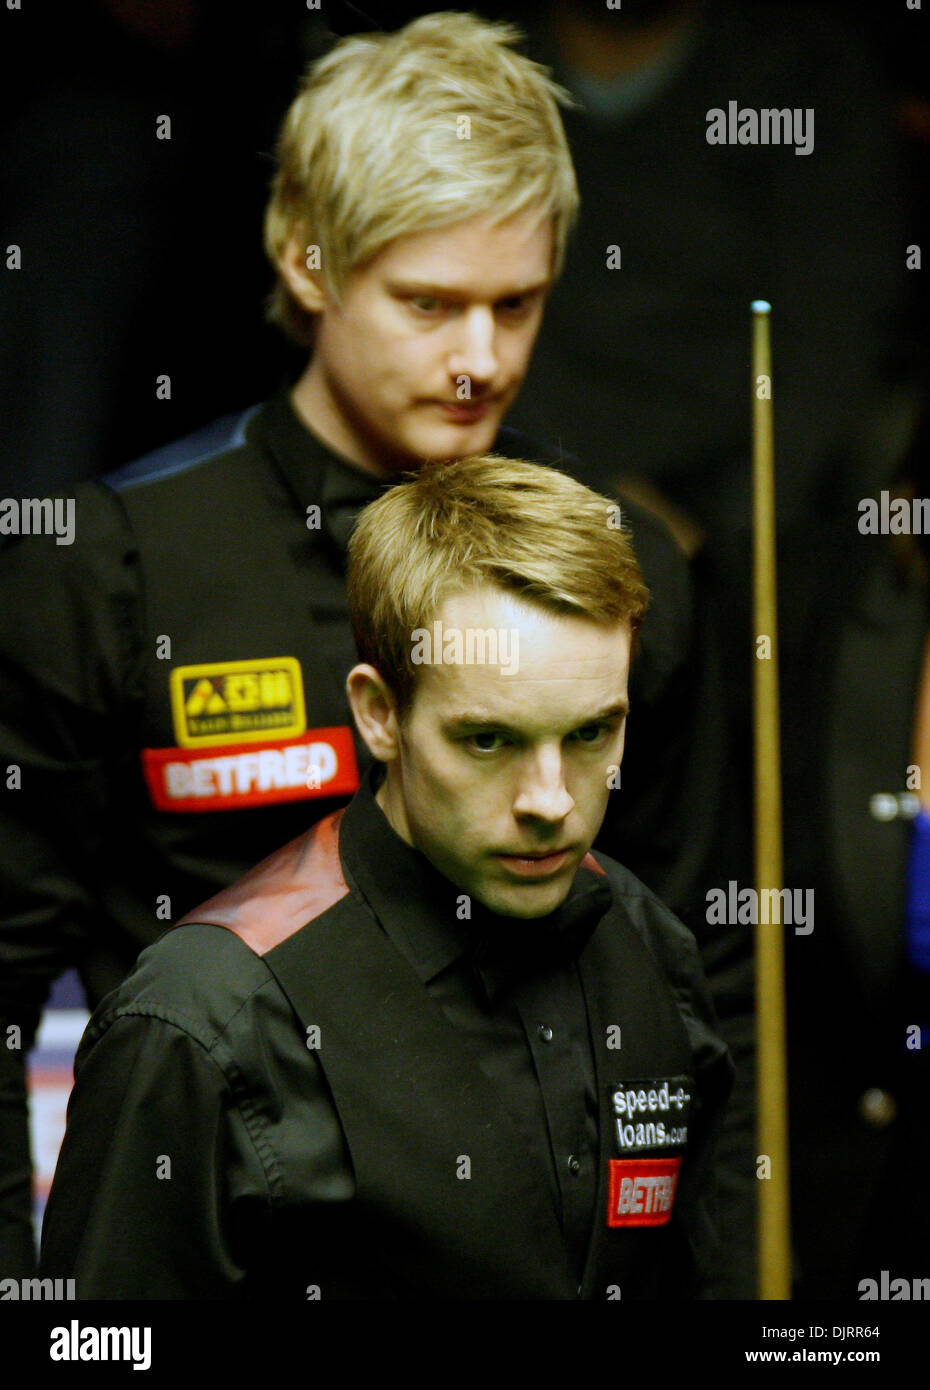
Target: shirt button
545,1032
574,1165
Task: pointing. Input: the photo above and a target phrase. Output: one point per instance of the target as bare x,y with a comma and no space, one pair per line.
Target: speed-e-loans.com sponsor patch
651,1113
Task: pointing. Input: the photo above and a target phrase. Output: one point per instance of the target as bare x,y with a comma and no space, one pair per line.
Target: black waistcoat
449,1205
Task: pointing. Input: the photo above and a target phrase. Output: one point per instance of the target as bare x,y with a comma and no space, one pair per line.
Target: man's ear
374,711
305,285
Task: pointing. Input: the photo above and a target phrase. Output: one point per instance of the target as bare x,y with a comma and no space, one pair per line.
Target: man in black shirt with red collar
434,1047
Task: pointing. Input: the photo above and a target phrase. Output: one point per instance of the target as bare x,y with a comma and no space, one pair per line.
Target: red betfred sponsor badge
319,763
641,1191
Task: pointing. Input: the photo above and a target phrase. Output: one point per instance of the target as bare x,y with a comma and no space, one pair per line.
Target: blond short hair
529,529
406,132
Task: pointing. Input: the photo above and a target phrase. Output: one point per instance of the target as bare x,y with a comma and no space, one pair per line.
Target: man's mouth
465,411
536,863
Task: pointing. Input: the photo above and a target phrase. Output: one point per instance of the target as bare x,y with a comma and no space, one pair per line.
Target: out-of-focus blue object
918,893
50,1074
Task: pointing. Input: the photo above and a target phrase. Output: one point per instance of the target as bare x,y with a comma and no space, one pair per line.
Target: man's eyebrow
482,719
619,707
426,287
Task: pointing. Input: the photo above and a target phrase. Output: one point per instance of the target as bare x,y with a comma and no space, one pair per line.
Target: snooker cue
771,1089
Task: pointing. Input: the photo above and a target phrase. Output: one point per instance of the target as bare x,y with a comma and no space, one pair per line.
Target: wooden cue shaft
771,1082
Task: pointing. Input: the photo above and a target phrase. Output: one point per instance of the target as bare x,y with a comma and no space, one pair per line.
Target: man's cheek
520,363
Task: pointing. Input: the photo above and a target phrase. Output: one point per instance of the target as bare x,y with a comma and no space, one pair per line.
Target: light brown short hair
529,529
398,133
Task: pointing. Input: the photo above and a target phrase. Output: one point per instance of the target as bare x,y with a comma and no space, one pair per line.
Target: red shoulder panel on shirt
283,893
589,862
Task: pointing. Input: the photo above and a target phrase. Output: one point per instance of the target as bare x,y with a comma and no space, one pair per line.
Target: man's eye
425,303
486,742
590,733
517,305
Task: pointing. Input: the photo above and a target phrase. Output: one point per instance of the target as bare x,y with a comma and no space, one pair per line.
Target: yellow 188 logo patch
237,701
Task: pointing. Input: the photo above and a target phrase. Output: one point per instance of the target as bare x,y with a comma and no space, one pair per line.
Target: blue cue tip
761,306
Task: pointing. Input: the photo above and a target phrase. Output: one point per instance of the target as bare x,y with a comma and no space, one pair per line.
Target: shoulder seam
234,1079
174,460
174,1017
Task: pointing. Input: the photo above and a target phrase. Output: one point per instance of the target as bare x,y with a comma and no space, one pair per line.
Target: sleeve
155,1174
67,644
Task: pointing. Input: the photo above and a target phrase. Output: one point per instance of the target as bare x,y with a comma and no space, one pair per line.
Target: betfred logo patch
641,1191
320,763
651,1113
237,702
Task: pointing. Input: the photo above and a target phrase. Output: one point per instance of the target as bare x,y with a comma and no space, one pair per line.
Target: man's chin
525,902
450,441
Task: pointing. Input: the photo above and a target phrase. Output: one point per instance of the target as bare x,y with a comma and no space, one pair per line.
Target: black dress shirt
512,986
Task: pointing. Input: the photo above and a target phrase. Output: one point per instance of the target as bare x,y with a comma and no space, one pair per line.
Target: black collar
314,475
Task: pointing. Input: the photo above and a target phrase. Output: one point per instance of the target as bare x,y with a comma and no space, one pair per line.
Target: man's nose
542,792
475,354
